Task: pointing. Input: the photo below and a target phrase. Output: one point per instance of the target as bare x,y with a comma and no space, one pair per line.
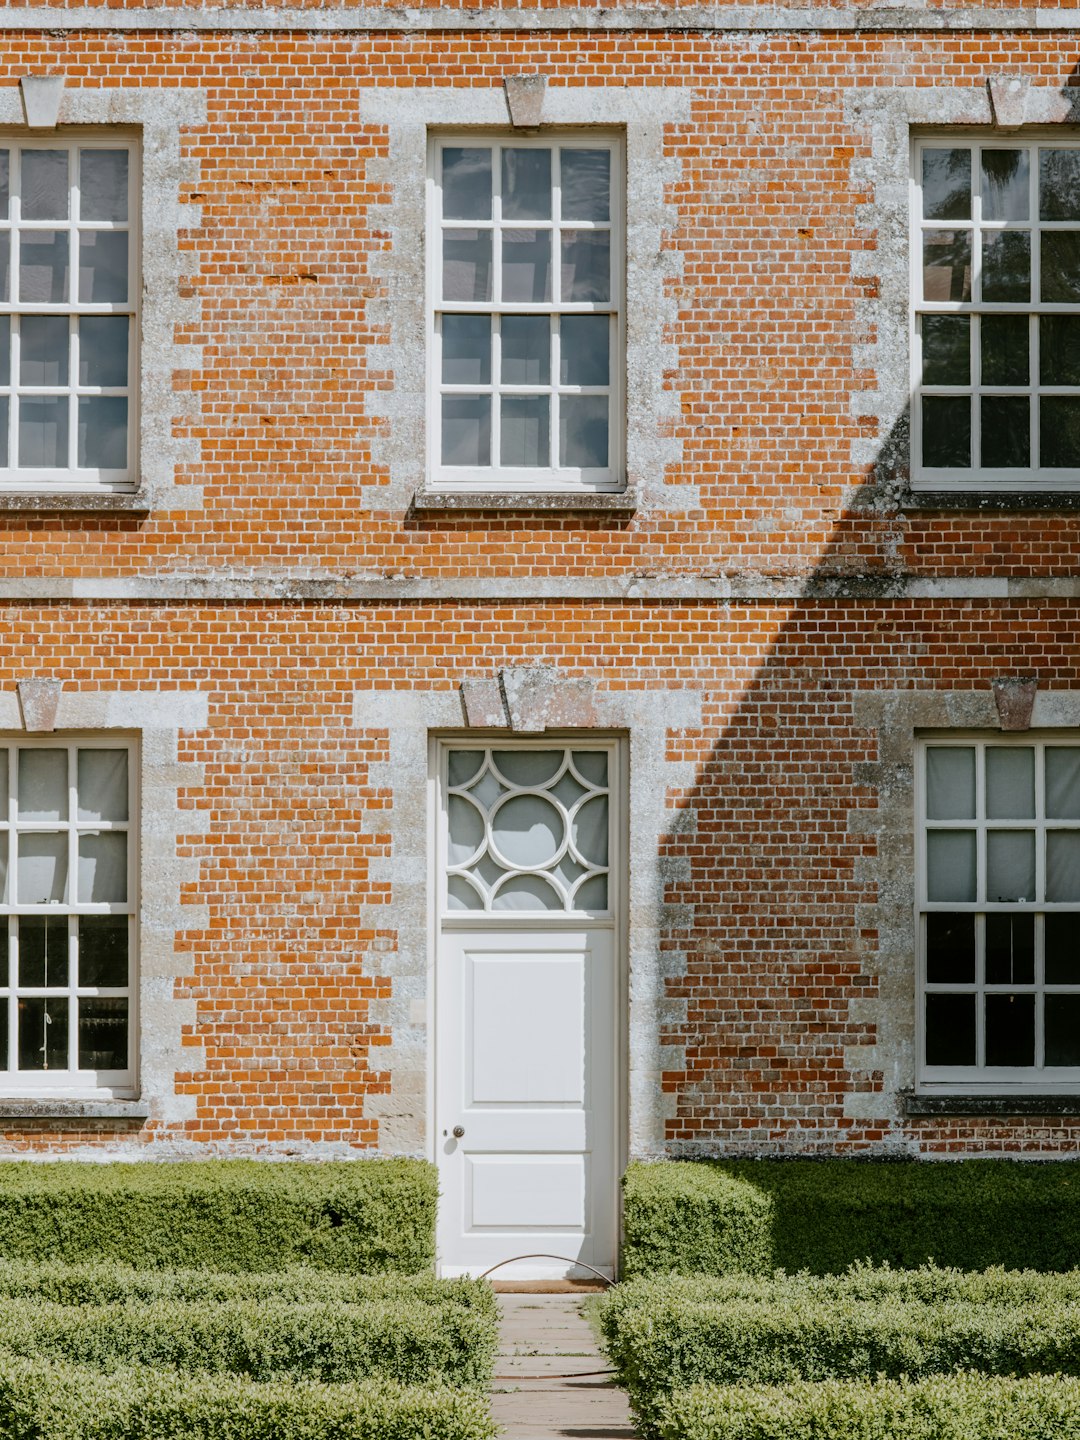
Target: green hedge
366,1216
107,1281
754,1215
407,1341
49,1401
957,1407
664,1336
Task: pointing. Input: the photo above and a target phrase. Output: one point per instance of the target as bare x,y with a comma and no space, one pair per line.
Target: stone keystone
1008,99
38,700
537,699
1015,700
41,100
482,702
525,100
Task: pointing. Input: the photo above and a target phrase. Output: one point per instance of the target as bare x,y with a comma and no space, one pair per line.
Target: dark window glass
1006,431
1006,273
1062,1029
946,265
1059,184
947,431
43,1034
103,950
43,951
946,184
950,1029
1005,340
1059,349
946,341
1059,431
1005,178
1010,1029
950,949
1060,279
1010,949
103,1034
1062,947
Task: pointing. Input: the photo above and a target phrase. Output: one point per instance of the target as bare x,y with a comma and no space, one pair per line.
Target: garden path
543,1385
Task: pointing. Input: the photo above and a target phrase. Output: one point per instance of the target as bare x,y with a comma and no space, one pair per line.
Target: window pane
43,951
527,892
464,765
946,439
950,1029
1059,184
1059,431
947,265
586,265
103,267
583,431
1062,1019
1007,266
103,867
525,438
103,1034
467,264
1061,940
5,266
1005,340
1006,431
43,267
585,349
1010,782
43,433
1059,349
465,830
526,184
466,430
950,783
589,831
3,786
103,785
43,785
527,830
5,184
103,350
5,427
43,867
586,184
950,949
946,184
3,1034
1063,865
1010,1029
1010,949
43,350
528,767
45,186
43,1034
1005,182
103,950
461,895
466,176
526,265
466,349
1063,782
526,350
950,865
103,432
103,185
1060,279
946,349
1010,865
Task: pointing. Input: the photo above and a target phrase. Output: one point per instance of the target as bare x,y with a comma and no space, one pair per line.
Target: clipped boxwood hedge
717,1217
665,1336
41,1400
364,1216
955,1407
408,1341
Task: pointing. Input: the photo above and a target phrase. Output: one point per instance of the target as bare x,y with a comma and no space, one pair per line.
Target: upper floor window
68,317
999,901
996,344
526,313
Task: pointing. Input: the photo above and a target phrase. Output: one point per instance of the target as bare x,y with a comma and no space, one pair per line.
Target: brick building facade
673,404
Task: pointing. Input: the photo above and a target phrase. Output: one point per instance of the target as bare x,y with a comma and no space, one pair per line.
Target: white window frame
1004,1080
71,1082
71,478
1034,478
495,478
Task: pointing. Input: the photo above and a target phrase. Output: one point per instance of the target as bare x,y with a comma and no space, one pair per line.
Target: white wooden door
527,1005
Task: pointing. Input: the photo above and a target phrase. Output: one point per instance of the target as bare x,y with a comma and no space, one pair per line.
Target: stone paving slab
543,1388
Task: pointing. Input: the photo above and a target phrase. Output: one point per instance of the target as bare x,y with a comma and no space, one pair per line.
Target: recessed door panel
526,1028
526,1192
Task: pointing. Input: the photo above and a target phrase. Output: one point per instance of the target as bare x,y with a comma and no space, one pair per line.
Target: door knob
458,1131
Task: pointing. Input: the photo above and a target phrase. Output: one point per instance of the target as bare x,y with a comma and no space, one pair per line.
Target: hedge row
753,1216
370,1216
955,1407
407,1341
107,1281
48,1401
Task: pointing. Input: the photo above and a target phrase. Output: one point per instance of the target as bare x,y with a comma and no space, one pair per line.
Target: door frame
617,742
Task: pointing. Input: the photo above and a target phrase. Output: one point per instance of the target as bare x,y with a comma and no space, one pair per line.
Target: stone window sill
1001,1106
981,501
567,502
61,1108
75,502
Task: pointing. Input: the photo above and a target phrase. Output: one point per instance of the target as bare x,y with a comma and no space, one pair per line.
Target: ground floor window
67,918
999,922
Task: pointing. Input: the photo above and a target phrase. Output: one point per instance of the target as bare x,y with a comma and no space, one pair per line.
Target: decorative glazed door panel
527,1000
